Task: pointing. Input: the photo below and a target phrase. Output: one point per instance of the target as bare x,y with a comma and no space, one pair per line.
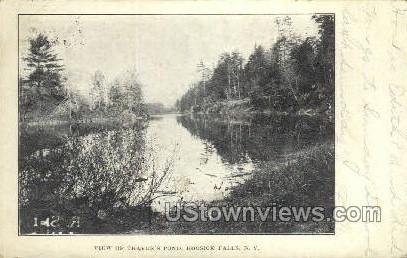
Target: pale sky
164,49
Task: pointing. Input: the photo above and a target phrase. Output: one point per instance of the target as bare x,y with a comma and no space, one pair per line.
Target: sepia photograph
176,124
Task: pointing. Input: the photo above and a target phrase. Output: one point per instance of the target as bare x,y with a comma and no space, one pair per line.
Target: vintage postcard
253,129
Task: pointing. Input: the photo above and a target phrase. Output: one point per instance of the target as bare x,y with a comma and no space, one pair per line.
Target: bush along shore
245,108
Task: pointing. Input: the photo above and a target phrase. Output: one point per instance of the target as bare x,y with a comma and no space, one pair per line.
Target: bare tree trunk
229,80
238,88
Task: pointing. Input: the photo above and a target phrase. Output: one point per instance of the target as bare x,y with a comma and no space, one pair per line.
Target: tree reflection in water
260,137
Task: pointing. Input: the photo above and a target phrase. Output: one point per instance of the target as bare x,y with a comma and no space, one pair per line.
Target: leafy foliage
293,74
43,93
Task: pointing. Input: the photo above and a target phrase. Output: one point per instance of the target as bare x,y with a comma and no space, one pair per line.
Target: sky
164,49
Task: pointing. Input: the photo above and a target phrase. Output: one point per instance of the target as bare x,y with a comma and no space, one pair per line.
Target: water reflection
200,174
258,138
116,178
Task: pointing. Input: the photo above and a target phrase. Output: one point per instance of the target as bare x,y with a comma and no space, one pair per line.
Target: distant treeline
293,75
46,94
158,108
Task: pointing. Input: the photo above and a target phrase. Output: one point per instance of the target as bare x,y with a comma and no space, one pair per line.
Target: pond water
94,171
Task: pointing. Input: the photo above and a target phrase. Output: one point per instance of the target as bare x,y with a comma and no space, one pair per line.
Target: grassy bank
245,108
305,178
92,118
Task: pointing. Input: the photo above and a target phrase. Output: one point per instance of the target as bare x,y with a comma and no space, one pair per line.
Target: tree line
45,92
294,74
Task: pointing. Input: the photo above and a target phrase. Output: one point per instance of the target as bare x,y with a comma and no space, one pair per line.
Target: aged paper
116,115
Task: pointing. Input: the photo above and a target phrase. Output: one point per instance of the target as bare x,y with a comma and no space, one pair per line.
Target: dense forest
294,75
45,92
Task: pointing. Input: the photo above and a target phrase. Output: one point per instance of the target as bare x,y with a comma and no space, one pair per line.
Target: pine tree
44,82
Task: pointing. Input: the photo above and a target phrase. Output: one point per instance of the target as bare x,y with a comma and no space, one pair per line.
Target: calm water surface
92,171
200,171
